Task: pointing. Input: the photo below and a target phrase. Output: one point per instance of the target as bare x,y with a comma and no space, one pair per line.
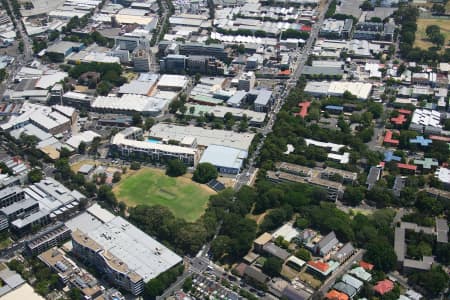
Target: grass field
185,198
421,36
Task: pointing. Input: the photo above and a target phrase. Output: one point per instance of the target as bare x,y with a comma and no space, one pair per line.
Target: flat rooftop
142,254
205,137
226,157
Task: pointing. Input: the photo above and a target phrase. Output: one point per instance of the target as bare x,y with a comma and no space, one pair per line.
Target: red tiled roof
399,120
335,295
285,72
440,138
306,28
319,265
303,109
365,265
407,166
388,138
383,287
404,111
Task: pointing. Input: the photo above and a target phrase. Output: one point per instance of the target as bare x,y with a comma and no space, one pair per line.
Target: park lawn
421,36
185,198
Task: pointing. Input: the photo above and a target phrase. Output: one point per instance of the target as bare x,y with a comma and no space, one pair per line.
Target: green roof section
426,163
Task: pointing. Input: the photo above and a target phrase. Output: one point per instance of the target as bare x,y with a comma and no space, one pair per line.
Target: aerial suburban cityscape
224,149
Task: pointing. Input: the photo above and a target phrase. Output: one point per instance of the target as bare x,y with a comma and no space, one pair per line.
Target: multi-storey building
127,257
129,143
48,238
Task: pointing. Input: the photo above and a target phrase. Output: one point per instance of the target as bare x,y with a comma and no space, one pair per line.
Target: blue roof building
389,156
421,141
227,160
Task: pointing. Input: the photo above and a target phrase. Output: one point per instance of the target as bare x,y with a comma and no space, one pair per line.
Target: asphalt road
21,59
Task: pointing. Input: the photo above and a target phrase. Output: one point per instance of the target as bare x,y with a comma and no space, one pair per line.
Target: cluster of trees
39,45
247,32
175,168
25,147
331,9
367,6
158,221
228,207
433,281
205,172
88,39
323,77
237,231
75,23
43,279
156,286
35,175
295,34
290,129
110,75
438,9
3,74
272,266
434,34
407,16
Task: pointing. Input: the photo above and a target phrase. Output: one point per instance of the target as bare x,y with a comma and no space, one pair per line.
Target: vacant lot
185,198
421,36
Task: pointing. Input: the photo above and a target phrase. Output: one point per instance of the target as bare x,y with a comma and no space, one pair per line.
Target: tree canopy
175,168
205,172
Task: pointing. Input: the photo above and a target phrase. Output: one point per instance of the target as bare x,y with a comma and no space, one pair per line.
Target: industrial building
60,50
227,160
129,104
83,137
43,117
77,100
204,137
37,204
219,111
174,83
426,121
361,90
127,256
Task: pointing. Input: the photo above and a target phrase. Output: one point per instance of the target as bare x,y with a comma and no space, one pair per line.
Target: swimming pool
154,141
